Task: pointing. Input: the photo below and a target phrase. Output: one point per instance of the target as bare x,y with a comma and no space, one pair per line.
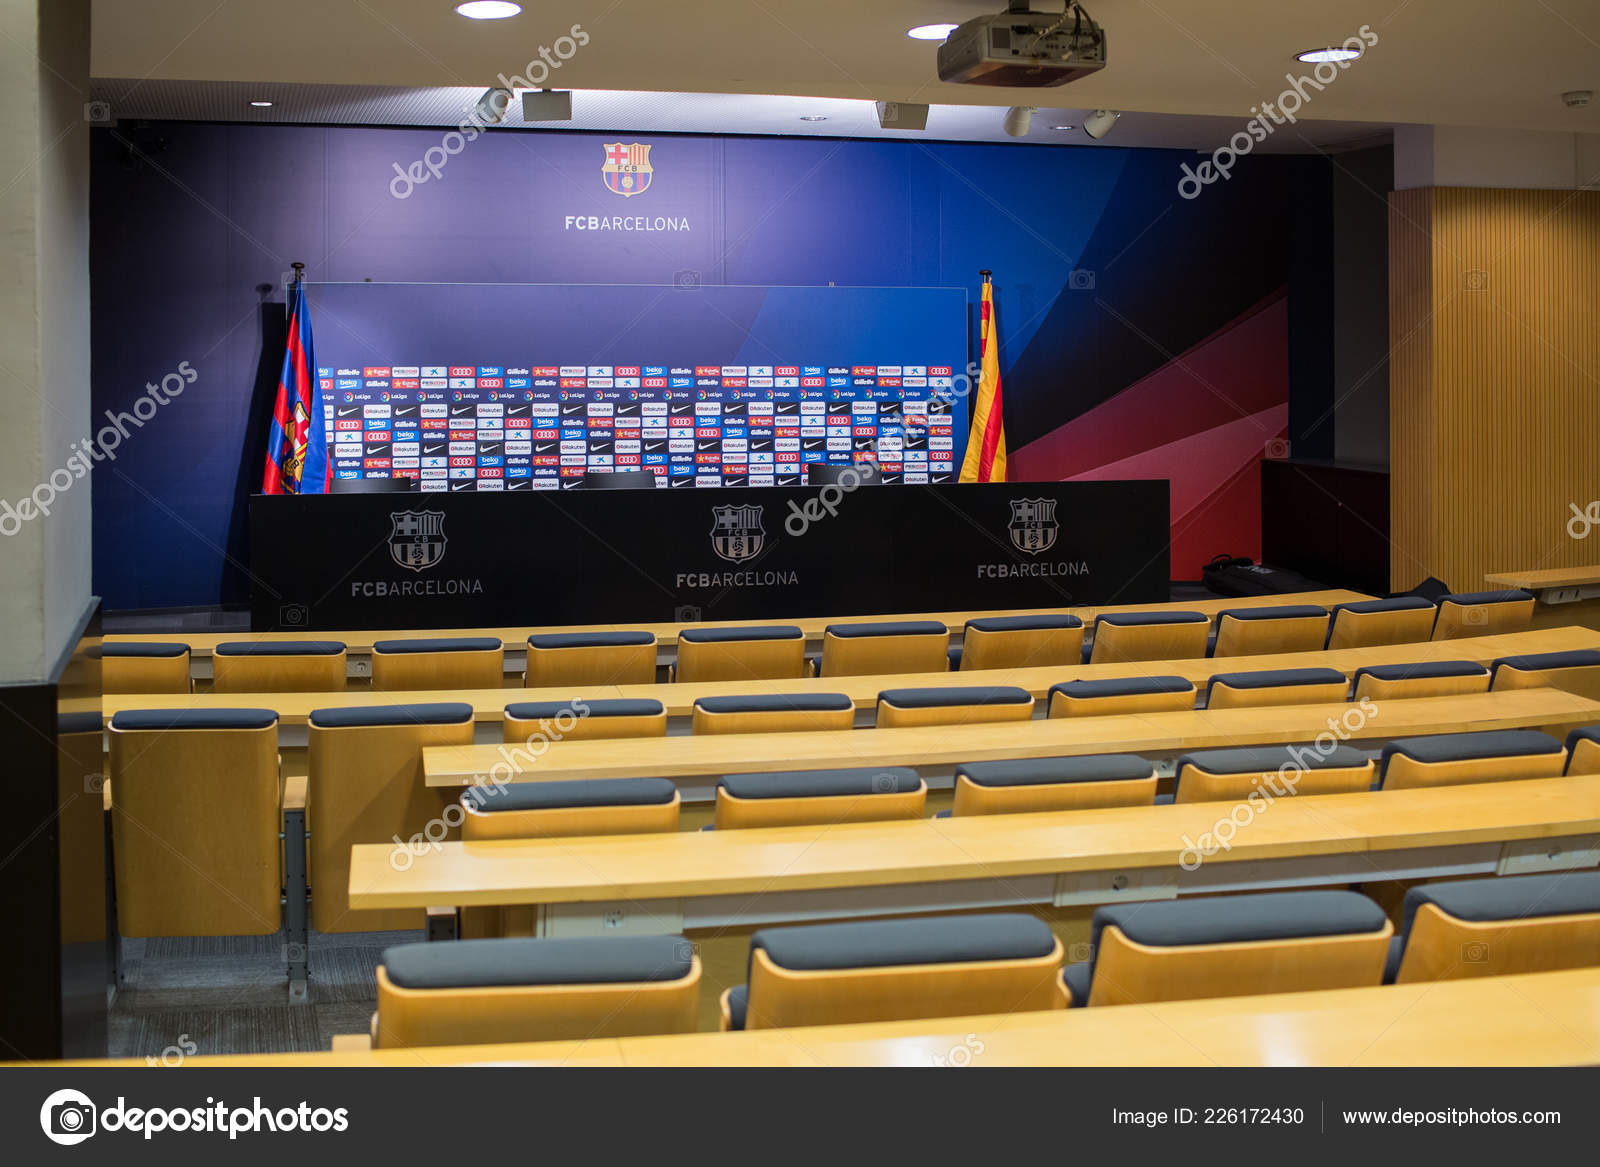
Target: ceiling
1454,62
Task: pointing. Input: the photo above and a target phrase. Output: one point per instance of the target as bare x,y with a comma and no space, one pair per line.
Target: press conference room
1058,536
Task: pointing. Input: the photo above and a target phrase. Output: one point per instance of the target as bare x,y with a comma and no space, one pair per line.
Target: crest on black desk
736,532
1033,526
416,540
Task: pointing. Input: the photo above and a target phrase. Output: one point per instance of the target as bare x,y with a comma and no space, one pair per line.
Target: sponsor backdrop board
473,559
528,387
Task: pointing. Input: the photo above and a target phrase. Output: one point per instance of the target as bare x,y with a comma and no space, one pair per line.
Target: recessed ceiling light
930,32
1063,127
488,9
262,104
813,117
1317,56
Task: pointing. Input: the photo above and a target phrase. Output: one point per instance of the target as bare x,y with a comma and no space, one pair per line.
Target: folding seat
896,970
1446,678
772,713
1277,771
472,992
144,666
1019,642
196,817
963,705
1482,614
277,666
902,646
797,798
773,652
595,806
1372,623
1231,946
443,663
1121,695
1043,784
590,658
1137,636
1583,750
366,786
580,720
1455,759
1576,672
1276,687
1497,926
1275,628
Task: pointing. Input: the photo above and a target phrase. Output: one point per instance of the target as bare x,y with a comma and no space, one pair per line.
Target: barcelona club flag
297,446
986,445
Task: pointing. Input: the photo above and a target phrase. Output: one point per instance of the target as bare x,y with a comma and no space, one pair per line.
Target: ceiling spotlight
1018,119
1098,124
262,104
495,104
1317,56
930,32
1577,98
488,9
813,117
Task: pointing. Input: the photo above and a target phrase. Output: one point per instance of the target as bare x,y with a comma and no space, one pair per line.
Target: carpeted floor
228,995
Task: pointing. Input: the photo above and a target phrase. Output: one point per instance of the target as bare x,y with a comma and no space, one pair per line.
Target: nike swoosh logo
680,409
463,485
351,410
708,445
653,447
435,449
812,444
374,451
544,447
488,447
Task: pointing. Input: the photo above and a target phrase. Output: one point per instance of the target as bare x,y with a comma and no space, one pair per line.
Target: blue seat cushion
1393,604
1507,897
278,648
1422,670
470,964
1464,747
1589,733
1274,678
1122,687
142,648
427,713
1277,612
1133,619
441,644
738,1005
926,940
856,780
1049,771
776,703
1278,915
1470,599
938,698
1391,962
1583,658
888,628
576,793
590,639
615,707
954,656
1040,623
755,632
193,719
1079,977
1267,759
85,722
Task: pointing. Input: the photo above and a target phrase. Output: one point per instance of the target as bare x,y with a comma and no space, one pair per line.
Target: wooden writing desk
1534,1019
696,762
1566,595
668,882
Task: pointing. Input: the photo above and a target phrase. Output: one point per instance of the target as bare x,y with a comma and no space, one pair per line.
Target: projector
1023,50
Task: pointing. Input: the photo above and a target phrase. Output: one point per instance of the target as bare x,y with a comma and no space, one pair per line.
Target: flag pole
299,277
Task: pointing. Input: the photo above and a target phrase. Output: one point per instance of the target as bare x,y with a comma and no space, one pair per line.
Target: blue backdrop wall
1138,329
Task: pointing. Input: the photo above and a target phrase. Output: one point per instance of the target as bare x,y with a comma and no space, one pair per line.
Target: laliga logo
67,1117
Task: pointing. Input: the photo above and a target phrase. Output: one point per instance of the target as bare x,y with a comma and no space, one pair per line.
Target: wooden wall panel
1494,380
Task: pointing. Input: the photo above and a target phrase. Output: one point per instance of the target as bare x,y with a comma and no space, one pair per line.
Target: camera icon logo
685,613
1081,280
68,1117
687,280
293,615
97,113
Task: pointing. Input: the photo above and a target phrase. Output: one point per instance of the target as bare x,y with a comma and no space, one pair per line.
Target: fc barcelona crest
736,532
416,540
1033,525
627,170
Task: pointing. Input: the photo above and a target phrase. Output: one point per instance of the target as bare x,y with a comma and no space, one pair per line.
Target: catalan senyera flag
986,444
297,444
